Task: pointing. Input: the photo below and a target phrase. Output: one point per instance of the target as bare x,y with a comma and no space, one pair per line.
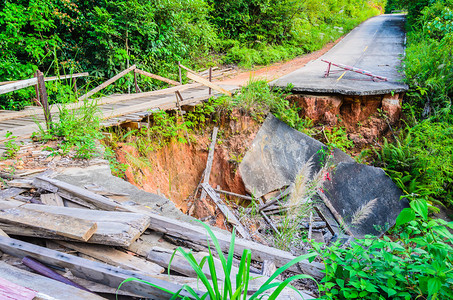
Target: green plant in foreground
416,264
11,145
233,287
77,129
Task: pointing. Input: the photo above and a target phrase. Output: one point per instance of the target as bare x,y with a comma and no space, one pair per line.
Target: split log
116,258
53,224
229,215
91,270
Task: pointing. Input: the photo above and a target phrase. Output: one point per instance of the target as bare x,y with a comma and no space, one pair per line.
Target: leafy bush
421,161
415,264
77,129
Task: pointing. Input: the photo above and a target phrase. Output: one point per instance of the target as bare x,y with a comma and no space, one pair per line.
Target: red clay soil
279,69
176,170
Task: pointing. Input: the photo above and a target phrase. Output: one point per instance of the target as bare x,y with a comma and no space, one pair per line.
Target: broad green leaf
405,216
421,207
434,285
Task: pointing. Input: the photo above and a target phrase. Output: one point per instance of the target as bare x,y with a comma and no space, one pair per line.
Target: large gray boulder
276,156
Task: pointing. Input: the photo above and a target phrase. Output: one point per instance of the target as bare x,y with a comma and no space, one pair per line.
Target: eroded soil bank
175,170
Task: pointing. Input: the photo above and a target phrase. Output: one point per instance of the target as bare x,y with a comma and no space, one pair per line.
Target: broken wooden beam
46,288
113,228
52,199
50,223
92,270
335,213
154,76
197,234
63,188
234,194
207,83
107,83
229,215
207,171
115,257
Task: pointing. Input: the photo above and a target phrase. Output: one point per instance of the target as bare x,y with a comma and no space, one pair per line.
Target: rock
365,197
276,156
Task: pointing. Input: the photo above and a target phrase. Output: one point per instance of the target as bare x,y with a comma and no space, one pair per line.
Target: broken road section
362,199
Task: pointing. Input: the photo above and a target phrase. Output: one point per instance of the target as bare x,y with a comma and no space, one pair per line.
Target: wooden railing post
210,78
180,73
38,100
137,89
44,102
74,82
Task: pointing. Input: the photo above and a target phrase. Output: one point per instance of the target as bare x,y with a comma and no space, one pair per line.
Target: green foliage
416,264
11,145
421,158
235,286
118,169
104,37
337,137
421,161
76,129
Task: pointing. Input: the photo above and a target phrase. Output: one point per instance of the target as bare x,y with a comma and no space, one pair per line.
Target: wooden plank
208,83
91,270
71,227
2,233
103,101
116,258
207,170
12,291
99,201
46,287
43,99
114,228
107,83
70,76
11,87
10,193
234,194
75,75
229,215
52,199
154,76
197,234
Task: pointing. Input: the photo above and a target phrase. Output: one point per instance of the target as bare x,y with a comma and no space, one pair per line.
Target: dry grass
363,212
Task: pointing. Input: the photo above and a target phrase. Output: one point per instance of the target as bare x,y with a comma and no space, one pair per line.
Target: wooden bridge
114,109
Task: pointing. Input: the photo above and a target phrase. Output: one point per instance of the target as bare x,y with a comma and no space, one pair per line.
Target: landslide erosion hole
175,168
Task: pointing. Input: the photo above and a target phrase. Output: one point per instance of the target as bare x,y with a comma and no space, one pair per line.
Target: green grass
235,286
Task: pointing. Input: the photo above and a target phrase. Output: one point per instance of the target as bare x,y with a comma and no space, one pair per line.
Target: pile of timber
91,240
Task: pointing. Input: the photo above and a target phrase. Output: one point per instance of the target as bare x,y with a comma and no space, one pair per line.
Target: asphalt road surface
377,46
